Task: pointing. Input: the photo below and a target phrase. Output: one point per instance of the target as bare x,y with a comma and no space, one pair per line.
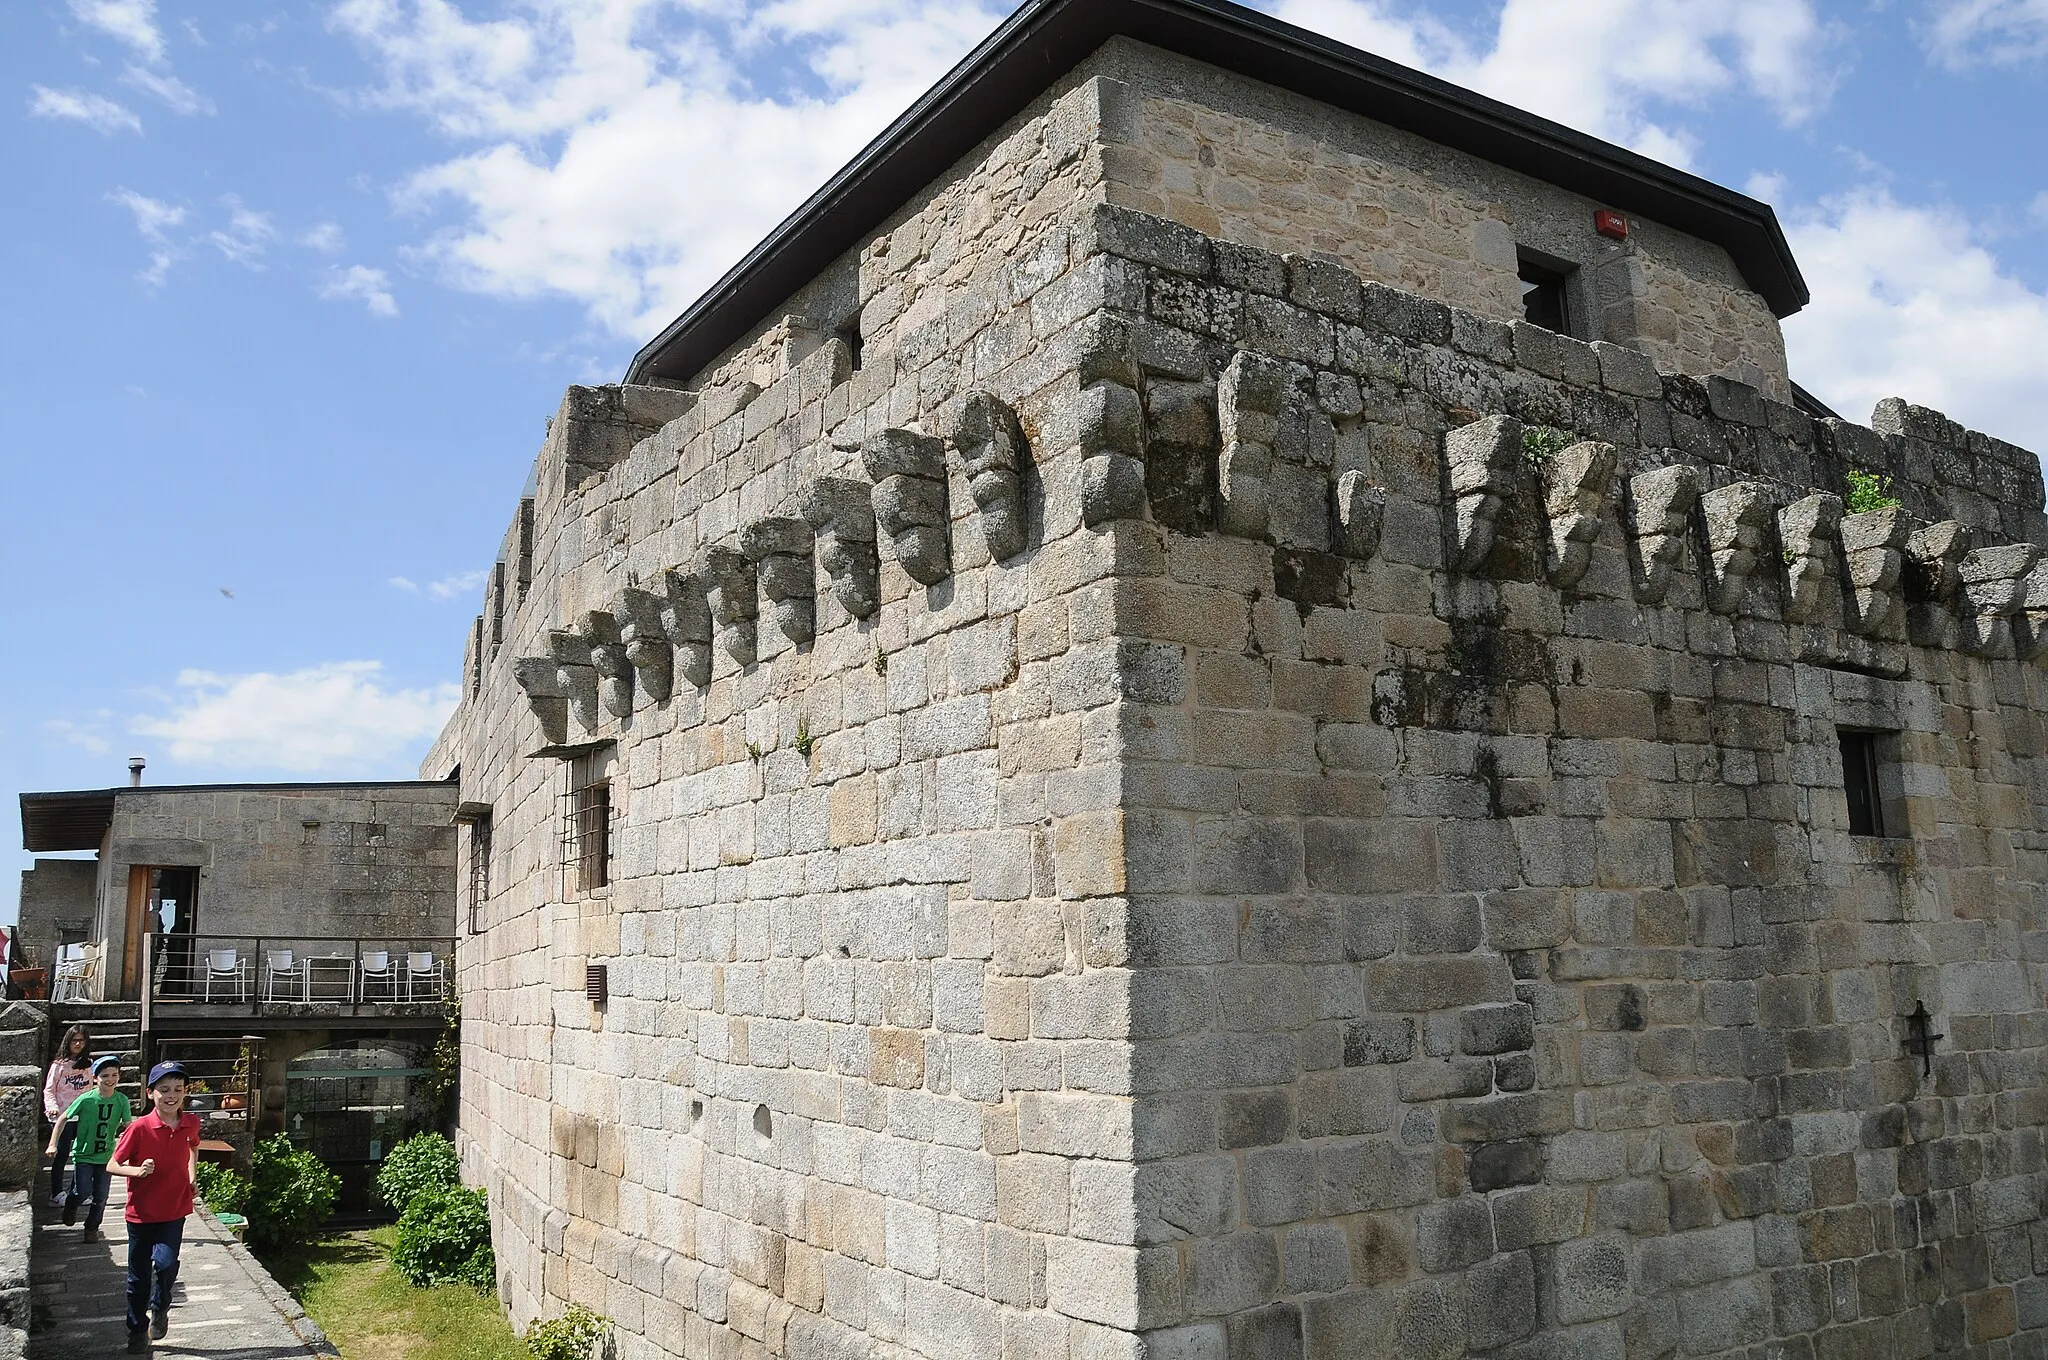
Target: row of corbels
1990,600
649,634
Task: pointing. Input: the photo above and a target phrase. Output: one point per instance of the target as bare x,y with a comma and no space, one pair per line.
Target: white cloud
128,21
327,238
1603,66
360,283
97,112
153,219
175,93
627,168
1964,32
337,718
450,587
246,235
88,734
1908,302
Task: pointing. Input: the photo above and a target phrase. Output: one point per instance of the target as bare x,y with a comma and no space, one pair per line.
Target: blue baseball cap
165,1069
108,1060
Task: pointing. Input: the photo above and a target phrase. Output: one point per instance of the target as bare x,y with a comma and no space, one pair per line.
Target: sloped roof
1047,38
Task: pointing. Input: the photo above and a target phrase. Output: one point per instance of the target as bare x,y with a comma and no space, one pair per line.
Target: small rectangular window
1860,780
1544,301
590,836
479,870
849,332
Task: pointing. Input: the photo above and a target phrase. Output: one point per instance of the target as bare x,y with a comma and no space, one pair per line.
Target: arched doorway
348,1103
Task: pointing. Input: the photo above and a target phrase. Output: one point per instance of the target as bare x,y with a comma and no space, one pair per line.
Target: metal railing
256,971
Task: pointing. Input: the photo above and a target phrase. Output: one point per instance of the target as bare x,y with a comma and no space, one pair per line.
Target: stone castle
1109,752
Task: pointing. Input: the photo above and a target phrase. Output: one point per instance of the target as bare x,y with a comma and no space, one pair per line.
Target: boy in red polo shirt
158,1155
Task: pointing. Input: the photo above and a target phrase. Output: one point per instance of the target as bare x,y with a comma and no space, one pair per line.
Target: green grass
370,1313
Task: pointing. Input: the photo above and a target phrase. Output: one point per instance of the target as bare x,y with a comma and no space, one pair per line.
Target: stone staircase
115,1027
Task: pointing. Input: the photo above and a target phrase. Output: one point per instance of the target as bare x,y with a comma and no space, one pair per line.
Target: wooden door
131,945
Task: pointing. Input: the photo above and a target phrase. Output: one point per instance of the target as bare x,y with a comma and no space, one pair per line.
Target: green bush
290,1196
444,1236
426,1161
572,1336
224,1190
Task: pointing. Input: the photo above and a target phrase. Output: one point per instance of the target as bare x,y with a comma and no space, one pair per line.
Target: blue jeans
92,1184
64,1141
152,1248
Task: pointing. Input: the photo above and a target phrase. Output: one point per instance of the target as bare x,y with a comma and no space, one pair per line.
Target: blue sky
293,287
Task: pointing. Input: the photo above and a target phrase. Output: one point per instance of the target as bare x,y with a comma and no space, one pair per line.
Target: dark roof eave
1047,38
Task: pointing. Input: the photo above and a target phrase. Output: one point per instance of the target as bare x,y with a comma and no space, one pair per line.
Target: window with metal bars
587,837
479,870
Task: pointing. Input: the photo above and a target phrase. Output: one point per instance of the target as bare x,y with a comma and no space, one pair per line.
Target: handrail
198,968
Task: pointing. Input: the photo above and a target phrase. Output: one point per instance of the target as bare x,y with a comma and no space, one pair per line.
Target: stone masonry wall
56,895
1258,166
1196,807
792,1127
1510,982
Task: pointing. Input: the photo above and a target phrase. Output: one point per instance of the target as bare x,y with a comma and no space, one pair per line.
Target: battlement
1280,400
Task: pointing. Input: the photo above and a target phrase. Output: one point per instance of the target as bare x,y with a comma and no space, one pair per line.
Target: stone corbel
842,516
1807,528
1360,510
1577,483
1480,461
576,676
1994,582
992,446
1934,581
1109,424
1662,506
686,619
1249,400
1874,557
539,677
729,591
909,473
608,659
2030,624
780,550
1738,520
646,640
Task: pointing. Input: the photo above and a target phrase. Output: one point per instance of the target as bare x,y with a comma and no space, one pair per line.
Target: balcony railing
302,974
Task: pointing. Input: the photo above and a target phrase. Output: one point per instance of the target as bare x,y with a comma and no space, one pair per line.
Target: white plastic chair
376,966
282,965
74,974
421,964
226,964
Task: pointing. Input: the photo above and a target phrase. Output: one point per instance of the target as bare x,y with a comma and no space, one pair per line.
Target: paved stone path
222,1309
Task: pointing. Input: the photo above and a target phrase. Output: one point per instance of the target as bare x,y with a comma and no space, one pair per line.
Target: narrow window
479,870
592,836
1860,782
1543,297
849,332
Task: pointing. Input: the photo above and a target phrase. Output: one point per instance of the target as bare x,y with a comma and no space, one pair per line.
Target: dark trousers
152,1249
64,1141
91,1184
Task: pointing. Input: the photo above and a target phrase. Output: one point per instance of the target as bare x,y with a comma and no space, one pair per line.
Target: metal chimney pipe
135,764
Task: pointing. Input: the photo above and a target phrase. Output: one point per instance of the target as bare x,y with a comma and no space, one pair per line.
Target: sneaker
70,1212
159,1323
89,1235
138,1341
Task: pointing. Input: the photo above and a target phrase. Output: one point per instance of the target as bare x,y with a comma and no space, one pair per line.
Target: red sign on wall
1610,223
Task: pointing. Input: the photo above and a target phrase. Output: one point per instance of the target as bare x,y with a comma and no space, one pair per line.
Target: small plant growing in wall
575,1335
1869,491
1541,443
803,737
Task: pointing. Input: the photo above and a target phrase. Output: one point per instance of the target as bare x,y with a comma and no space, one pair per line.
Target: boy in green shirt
102,1112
